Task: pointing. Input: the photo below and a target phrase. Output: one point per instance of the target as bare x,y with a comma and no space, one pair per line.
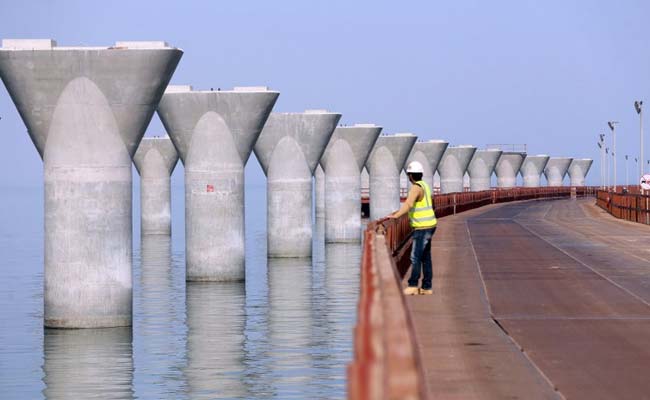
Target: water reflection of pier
342,285
88,363
290,320
215,340
158,360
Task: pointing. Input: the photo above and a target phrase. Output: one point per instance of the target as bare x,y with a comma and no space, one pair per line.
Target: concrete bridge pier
319,191
452,167
532,168
508,167
86,110
155,161
365,179
556,169
428,154
289,149
404,183
214,133
343,160
578,170
384,165
481,168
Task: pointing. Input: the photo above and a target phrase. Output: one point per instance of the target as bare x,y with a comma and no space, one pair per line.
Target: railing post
454,203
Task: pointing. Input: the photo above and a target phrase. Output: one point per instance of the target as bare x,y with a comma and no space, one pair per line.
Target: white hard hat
415,168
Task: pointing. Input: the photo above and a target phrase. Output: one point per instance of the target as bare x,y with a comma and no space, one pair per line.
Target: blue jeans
421,255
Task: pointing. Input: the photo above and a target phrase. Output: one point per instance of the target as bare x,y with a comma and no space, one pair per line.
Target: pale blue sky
545,73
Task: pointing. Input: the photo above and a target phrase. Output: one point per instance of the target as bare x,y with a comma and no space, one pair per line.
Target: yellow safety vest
421,214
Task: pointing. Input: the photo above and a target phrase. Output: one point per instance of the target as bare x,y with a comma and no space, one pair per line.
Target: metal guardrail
633,207
386,362
365,193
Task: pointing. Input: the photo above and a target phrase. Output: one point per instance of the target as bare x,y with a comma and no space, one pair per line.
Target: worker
422,217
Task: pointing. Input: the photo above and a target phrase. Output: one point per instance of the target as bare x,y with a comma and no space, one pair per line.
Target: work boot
426,291
411,290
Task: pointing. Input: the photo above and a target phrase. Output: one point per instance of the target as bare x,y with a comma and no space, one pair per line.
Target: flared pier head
555,170
508,167
578,170
289,149
452,167
155,161
343,159
214,133
481,168
86,110
532,168
386,161
428,153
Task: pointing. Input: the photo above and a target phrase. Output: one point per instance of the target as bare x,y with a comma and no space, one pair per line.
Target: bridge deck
560,280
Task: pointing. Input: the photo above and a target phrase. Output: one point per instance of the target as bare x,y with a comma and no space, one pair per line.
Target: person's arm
415,193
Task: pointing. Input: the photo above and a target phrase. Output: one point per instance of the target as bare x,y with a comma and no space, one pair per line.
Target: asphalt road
540,299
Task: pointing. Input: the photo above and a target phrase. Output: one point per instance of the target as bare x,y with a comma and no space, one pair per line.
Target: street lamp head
626,157
602,137
600,145
637,106
612,124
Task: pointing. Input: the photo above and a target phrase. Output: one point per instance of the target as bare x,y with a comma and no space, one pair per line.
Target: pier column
428,154
384,165
578,170
404,183
214,132
556,169
532,168
86,110
481,168
319,191
289,149
343,160
452,167
155,160
508,167
365,180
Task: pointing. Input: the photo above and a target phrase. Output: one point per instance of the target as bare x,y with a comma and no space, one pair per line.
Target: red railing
365,194
629,206
386,362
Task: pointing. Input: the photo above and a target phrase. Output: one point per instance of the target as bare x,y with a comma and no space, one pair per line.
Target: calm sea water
285,333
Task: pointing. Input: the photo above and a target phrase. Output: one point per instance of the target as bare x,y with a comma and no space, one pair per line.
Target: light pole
603,158
607,167
639,110
602,167
627,178
612,126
